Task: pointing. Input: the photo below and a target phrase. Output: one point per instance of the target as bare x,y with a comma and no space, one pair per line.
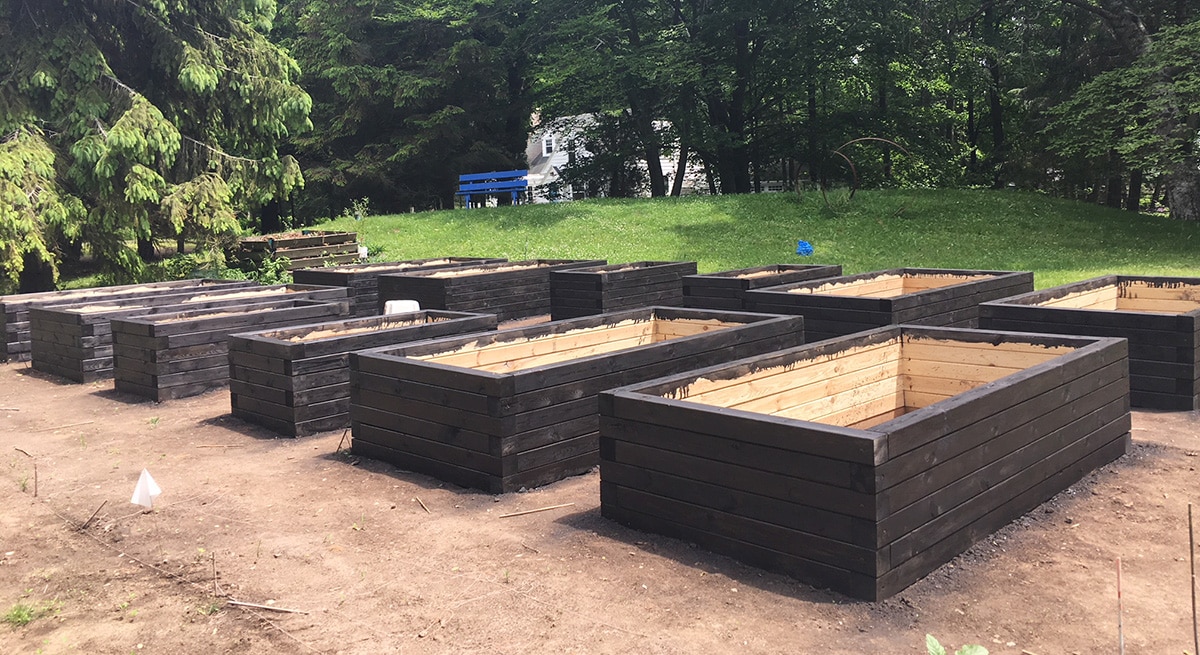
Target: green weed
208,609
22,614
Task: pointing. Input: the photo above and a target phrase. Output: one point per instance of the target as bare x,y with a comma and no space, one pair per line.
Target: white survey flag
146,490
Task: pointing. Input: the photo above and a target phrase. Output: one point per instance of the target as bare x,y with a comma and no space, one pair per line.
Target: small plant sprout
936,648
210,608
22,614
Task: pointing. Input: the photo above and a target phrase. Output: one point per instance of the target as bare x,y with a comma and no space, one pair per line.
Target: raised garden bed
1159,315
517,408
14,309
303,249
509,290
864,463
296,380
167,356
363,279
75,341
594,290
839,306
727,289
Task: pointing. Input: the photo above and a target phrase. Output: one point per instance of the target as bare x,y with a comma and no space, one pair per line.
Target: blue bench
483,184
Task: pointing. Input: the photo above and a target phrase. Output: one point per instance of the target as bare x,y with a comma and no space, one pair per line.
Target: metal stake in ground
1120,626
1192,557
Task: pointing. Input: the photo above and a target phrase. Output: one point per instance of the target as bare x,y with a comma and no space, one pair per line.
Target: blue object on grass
804,248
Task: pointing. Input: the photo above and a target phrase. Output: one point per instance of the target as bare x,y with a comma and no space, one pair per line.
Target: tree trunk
972,137
641,105
145,249
652,151
883,117
36,276
1133,200
991,31
1114,192
743,72
680,170
728,116
269,221
1183,193
813,158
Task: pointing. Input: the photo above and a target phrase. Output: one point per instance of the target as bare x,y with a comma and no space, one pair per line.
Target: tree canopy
126,121
123,121
408,94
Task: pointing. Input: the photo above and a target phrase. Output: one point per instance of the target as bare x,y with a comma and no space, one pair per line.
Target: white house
556,143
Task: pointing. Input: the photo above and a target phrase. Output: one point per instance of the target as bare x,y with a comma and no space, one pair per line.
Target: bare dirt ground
295,524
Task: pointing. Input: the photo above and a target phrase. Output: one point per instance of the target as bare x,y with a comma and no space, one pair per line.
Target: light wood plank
1101,298
1157,305
990,356
875,353
851,415
822,409
873,421
946,386
918,399
970,348
813,388
473,354
559,356
1135,289
965,370
924,282
665,330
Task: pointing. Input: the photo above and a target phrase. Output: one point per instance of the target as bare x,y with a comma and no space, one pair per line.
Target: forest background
124,123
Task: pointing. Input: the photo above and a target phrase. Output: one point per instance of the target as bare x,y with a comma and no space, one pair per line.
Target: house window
548,144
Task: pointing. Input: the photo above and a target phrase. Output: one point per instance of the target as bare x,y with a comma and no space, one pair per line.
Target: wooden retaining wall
509,290
594,290
790,461
1159,315
296,380
304,249
180,354
835,307
14,309
75,341
727,289
363,279
517,407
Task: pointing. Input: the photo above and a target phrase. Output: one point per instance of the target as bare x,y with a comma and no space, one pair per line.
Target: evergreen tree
408,95
126,121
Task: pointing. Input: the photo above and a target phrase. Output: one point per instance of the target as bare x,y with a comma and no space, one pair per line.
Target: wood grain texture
537,419
1160,316
709,456
843,305
83,331
296,380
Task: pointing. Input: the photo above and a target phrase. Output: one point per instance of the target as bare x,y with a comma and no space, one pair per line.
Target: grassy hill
1061,241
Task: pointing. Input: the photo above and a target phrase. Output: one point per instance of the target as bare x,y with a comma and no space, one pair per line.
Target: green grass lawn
1061,241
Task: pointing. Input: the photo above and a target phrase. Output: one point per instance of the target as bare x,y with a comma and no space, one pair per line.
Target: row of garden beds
861,462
